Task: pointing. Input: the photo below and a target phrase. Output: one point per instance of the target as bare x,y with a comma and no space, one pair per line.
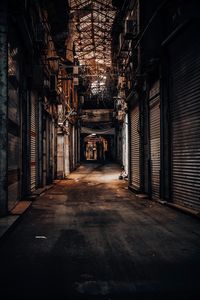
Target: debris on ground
123,175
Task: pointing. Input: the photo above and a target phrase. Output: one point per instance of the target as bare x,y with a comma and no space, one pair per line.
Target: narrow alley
99,149
90,238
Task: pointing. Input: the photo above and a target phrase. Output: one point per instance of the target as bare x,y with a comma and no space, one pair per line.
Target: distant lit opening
96,148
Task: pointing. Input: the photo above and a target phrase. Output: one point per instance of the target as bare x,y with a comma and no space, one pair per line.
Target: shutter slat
135,149
185,121
154,105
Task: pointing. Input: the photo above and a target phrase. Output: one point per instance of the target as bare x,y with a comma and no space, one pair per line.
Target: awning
97,131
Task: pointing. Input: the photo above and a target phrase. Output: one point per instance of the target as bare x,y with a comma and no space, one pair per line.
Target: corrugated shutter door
71,147
135,149
44,151
33,146
48,149
51,150
74,146
185,120
14,151
155,145
76,152
13,125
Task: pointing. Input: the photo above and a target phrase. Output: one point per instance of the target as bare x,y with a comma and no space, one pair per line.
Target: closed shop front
154,126
134,149
185,118
78,144
73,147
60,154
66,155
54,150
33,141
14,122
44,149
49,149
125,144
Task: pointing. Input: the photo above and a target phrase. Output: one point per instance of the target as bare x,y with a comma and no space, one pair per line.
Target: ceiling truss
92,23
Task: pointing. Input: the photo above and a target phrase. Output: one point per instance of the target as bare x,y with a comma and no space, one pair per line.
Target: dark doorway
97,148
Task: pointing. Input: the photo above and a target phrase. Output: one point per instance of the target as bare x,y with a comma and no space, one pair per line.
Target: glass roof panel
93,21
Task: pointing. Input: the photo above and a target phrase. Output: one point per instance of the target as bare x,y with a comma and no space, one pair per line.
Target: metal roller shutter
14,148
154,118
125,145
135,149
53,150
48,150
71,147
33,143
44,150
185,120
13,124
51,145
75,148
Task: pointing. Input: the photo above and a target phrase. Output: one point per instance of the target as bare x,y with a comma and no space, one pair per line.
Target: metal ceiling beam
93,36
111,8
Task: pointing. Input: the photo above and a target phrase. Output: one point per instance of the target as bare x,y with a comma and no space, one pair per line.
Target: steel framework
91,23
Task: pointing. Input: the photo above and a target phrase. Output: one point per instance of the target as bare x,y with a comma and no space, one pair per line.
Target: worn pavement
89,237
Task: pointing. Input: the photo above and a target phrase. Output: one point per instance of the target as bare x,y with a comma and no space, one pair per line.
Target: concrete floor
90,238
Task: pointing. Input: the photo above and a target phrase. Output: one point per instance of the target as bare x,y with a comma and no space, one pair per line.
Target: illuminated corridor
99,149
